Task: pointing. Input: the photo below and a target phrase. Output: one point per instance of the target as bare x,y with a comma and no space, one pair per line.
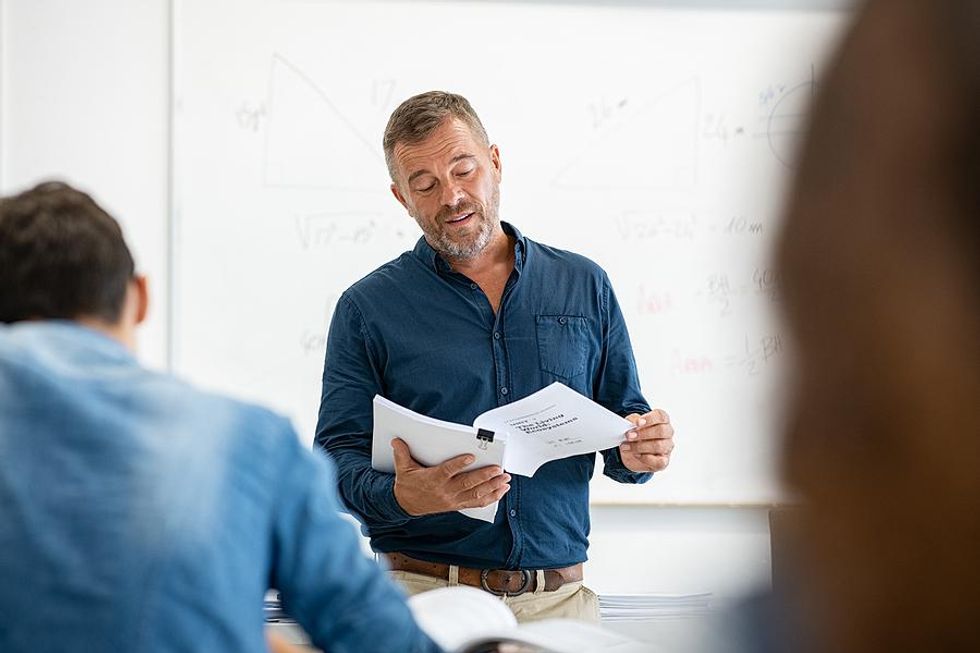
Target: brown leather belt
502,582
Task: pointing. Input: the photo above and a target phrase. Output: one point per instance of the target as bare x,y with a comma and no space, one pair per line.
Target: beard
462,246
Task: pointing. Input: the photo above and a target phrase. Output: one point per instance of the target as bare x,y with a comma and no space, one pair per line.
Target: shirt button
496,335
503,391
513,513
473,286
562,320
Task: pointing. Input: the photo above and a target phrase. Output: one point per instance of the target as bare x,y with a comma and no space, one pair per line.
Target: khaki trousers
570,601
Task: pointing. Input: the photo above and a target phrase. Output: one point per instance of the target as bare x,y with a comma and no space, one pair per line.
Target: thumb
634,418
403,456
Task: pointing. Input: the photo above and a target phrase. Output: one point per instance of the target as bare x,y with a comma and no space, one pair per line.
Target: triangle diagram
654,147
310,143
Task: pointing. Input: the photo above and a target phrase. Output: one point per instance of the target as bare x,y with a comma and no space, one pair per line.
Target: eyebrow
458,157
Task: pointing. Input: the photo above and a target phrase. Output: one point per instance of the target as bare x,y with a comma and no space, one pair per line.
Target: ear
142,297
398,196
495,162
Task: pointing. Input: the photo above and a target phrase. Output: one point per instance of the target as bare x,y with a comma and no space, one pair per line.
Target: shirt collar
72,340
425,253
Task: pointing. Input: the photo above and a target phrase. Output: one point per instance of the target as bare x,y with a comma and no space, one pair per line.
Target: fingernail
469,460
642,422
631,435
626,447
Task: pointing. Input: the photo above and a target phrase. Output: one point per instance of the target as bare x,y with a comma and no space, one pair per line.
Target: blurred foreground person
140,514
882,278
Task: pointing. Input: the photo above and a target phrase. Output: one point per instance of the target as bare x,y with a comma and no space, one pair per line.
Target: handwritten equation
633,226
721,291
321,230
757,354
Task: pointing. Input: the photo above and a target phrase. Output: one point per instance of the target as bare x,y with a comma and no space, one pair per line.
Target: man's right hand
422,490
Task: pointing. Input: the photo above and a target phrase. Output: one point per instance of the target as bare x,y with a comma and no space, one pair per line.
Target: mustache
447,213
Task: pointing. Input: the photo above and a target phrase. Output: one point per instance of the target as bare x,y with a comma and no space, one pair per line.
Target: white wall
85,99
84,95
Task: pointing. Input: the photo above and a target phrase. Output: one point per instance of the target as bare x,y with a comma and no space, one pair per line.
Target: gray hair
421,114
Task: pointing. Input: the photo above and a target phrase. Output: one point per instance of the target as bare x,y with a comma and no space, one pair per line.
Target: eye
464,173
425,189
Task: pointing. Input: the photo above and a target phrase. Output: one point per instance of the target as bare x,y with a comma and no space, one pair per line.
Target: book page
432,442
456,616
459,618
555,422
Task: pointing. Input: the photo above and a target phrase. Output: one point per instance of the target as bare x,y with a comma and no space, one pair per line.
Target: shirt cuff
391,509
617,471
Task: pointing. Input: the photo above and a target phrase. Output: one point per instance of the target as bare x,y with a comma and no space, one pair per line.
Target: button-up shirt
427,337
140,514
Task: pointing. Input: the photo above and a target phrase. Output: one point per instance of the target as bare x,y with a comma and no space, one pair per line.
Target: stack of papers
272,608
641,607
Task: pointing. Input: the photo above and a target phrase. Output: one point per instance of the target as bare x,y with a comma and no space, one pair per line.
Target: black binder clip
485,437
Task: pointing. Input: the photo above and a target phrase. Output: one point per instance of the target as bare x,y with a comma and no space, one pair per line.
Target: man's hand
427,490
649,443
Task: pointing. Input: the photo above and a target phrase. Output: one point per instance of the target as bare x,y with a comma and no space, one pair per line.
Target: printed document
555,422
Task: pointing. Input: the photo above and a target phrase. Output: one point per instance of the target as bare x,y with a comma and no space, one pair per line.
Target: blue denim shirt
426,337
139,514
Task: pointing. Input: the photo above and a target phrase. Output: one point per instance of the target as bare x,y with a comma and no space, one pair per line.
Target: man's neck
118,332
497,255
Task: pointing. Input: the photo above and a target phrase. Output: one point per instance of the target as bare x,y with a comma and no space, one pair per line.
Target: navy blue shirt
426,337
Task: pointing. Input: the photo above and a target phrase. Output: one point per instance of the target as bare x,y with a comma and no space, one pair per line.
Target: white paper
432,442
452,616
458,617
555,422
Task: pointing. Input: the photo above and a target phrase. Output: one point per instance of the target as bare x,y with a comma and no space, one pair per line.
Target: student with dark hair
140,514
881,262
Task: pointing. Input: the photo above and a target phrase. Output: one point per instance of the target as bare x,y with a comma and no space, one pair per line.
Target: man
474,317
140,514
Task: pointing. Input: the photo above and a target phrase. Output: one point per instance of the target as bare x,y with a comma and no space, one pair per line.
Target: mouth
460,219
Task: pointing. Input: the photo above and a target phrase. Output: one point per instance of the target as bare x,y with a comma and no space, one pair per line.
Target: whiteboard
655,140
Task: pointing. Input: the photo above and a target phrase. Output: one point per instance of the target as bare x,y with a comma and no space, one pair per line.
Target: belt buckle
525,583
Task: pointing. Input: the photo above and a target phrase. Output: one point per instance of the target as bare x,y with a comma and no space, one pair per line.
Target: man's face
450,184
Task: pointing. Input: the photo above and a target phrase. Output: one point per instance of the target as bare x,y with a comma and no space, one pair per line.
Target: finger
656,416
634,418
482,489
403,456
279,644
653,462
469,480
486,499
638,422
656,432
661,447
454,466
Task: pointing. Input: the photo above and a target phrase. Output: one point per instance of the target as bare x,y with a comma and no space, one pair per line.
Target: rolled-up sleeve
350,382
618,383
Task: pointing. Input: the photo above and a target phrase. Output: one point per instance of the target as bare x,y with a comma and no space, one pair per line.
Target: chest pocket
564,343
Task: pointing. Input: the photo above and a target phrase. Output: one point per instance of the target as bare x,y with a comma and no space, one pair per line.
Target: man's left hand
649,443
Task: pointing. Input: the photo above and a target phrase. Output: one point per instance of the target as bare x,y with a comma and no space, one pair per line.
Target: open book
554,422
468,620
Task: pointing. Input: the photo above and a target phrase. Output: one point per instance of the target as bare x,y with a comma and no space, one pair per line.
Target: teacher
475,317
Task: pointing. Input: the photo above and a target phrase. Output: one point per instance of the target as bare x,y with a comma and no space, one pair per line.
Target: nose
451,193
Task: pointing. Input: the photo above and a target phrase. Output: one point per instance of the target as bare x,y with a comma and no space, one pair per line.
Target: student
881,262
475,317
140,514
